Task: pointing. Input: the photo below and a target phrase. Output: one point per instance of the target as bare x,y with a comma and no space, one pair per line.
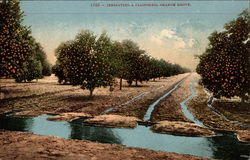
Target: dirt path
29,146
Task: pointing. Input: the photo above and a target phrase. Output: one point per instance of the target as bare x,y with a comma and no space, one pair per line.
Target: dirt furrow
198,107
139,107
169,108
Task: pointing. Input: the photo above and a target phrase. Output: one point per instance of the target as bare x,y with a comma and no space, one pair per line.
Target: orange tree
162,68
59,68
117,63
139,66
153,68
136,62
92,61
177,69
224,67
41,56
36,66
15,47
84,61
31,69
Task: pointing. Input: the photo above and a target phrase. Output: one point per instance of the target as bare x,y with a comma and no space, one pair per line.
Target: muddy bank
170,108
181,128
243,135
114,121
29,146
27,113
70,116
198,107
139,107
47,96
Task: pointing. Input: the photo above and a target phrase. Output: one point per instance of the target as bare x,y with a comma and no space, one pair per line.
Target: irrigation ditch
223,146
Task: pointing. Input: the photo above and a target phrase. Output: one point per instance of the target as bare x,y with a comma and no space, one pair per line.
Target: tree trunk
120,83
129,82
243,100
154,79
111,88
136,83
91,92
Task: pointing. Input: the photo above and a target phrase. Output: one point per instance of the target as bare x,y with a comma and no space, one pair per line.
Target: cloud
179,43
168,33
191,42
168,36
172,44
168,43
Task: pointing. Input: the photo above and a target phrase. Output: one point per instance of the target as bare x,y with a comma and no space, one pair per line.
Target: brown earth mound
181,128
114,121
243,135
28,113
70,116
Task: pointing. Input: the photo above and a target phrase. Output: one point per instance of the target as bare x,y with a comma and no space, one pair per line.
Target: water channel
226,146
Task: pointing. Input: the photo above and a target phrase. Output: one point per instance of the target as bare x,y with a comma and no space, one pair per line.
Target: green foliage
32,69
84,61
36,66
92,61
224,67
129,62
133,56
57,69
15,48
118,65
41,56
20,54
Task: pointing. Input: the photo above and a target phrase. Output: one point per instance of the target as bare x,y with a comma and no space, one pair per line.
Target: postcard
125,79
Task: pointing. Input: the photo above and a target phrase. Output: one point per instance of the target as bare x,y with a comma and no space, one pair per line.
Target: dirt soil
170,108
47,96
139,107
27,113
114,121
243,135
234,110
69,116
70,102
181,128
198,107
30,146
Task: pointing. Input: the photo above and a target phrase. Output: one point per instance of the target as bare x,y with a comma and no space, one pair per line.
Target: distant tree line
21,56
92,61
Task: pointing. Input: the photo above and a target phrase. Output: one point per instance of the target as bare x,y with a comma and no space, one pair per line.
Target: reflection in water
15,124
91,133
220,147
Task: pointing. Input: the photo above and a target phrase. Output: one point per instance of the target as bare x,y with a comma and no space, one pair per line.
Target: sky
174,33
